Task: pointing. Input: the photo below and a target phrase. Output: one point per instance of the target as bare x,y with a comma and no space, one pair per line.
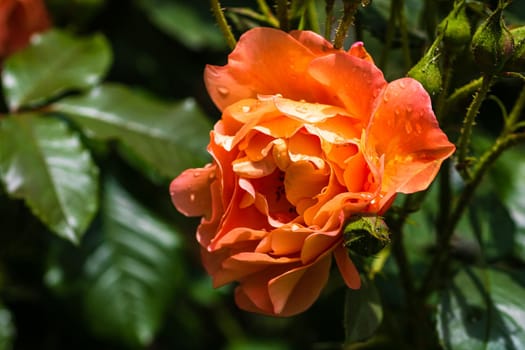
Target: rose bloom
19,19
309,136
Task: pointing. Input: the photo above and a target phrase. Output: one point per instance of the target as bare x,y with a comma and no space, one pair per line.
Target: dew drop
385,97
211,177
396,112
246,109
301,109
402,84
408,128
192,197
223,91
196,174
419,128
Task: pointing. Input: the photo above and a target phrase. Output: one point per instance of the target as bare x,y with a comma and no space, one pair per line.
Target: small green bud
517,61
366,235
492,44
427,71
456,27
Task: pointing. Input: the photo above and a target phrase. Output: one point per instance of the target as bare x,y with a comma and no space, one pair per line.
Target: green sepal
366,235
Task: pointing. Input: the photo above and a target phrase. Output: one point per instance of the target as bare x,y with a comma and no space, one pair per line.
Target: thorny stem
350,7
439,262
282,14
468,123
464,91
223,24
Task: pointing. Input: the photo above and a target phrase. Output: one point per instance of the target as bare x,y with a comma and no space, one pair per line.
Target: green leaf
45,163
54,62
185,23
483,309
133,272
363,312
168,137
7,329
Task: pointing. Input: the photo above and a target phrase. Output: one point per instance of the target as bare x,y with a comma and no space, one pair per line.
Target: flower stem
223,24
468,123
350,7
464,91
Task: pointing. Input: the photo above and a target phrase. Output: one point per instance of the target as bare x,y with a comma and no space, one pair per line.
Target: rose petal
347,268
358,50
304,180
265,61
315,42
355,82
296,290
407,133
190,191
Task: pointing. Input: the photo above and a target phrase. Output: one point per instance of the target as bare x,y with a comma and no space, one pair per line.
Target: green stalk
223,24
464,91
463,142
350,7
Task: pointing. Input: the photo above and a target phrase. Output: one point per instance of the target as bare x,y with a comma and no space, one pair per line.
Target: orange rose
19,19
309,136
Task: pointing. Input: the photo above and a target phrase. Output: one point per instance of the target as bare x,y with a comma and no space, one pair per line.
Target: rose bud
492,44
456,27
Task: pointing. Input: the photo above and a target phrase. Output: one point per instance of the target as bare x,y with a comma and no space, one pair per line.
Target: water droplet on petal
196,174
408,127
246,109
397,112
223,91
192,197
385,97
402,84
419,128
301,109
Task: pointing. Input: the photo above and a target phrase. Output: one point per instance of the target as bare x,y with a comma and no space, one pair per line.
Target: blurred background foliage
103,111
